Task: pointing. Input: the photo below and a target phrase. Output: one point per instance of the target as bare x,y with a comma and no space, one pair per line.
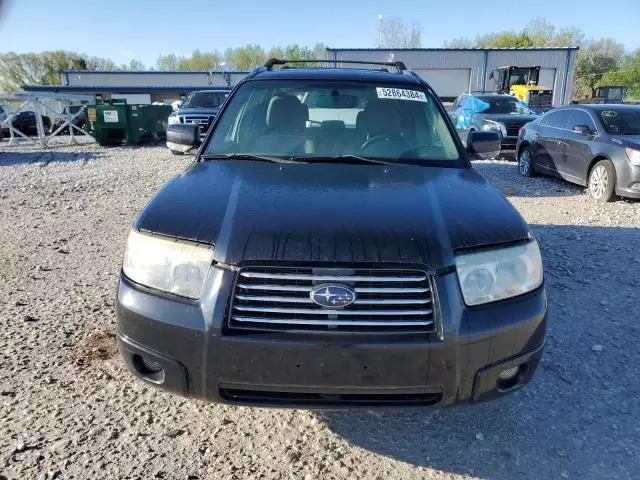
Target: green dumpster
112,122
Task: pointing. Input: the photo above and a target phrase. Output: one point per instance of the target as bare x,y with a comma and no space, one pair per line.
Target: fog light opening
511,377
148,368
509,373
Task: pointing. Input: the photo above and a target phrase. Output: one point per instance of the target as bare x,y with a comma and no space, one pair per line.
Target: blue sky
143,29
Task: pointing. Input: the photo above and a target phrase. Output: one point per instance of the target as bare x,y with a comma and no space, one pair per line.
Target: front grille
279,298
199,119
541,101
204,121
249,397
513,129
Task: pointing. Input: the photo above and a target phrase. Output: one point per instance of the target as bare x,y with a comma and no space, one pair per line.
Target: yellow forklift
522,82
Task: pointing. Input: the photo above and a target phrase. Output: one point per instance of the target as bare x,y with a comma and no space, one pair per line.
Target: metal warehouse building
138,87
454,71
450,72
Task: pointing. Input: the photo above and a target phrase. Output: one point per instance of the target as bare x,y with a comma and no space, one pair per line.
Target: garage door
447,82
547,78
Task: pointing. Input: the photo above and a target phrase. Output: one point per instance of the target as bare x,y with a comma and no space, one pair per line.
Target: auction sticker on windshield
401,94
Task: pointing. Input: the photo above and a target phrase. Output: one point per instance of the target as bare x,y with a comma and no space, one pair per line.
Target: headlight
169,265
490,126
633,155
173,119
493,275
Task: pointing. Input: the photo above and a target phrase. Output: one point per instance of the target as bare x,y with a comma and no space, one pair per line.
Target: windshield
205,100
329,119
504,105
621,122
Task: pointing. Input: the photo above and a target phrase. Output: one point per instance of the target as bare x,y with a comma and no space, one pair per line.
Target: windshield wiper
344,159
247,156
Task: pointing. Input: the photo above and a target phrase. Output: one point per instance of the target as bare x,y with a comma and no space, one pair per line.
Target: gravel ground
69,409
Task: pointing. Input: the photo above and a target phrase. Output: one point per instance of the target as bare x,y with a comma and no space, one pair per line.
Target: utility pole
379,31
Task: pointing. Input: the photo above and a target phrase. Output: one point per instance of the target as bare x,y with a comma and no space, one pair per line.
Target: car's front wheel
602,181
525,163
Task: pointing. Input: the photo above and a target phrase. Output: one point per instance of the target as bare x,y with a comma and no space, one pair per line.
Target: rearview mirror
483,144
336,101
583,129
186,134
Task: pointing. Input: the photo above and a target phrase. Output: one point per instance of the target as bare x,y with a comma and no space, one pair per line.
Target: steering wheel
379,139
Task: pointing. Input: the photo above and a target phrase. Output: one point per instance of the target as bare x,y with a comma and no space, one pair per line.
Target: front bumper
202,359
627,179
178,147
509,143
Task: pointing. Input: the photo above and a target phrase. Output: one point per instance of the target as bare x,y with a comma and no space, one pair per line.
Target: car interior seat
286,119
381,128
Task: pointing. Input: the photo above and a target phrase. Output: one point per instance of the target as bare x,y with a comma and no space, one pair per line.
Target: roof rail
269,64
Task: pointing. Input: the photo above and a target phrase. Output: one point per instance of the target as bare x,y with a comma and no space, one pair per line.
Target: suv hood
254,211
198,111
507,117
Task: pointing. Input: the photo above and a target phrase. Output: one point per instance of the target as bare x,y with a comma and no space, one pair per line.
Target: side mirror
483,144
186,134
583,129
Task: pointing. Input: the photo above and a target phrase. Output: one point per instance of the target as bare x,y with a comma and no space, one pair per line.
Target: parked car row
26,123
594,145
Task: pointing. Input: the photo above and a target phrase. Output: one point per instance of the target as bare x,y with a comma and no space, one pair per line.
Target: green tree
504,40
203,60
627,74
98,63
320,51
544,34
276,52
41,68
170,62
594,60
245,58
538,33
134,65
297,52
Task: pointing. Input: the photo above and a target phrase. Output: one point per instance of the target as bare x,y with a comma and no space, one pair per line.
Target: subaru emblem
333,295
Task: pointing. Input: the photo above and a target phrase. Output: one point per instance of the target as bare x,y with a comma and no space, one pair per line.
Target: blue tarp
472,105
468,107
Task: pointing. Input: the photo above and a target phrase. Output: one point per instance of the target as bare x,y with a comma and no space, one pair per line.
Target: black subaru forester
331,245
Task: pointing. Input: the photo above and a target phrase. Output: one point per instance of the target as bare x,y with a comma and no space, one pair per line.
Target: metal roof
118,89
443,49
152,72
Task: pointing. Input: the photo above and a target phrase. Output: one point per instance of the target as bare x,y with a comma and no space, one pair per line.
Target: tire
177,152
525,163
602,181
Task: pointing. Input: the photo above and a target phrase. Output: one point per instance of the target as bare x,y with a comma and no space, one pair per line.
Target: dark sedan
597,146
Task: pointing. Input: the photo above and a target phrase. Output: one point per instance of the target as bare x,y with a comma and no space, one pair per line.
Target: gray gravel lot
69,409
